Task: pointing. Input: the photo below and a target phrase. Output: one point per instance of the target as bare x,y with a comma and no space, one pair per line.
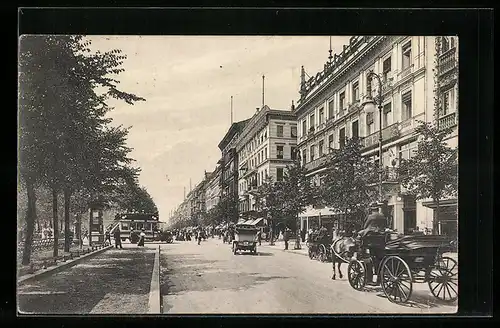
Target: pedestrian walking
107,240
286,237
142,236
199,237
259,237
118,238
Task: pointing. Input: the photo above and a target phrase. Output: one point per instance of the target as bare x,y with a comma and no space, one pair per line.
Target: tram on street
129,222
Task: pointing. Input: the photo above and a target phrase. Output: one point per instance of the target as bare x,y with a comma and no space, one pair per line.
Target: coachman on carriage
319,245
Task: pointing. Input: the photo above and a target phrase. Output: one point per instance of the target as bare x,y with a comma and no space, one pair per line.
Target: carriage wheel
443,279
396,279
356,274
322,255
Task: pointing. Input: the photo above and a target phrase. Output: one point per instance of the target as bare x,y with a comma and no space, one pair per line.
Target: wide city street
208,278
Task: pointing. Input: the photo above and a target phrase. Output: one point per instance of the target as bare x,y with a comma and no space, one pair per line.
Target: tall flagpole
231,109
263,102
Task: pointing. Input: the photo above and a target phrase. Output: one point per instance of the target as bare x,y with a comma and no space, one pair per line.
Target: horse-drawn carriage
318,246
398,262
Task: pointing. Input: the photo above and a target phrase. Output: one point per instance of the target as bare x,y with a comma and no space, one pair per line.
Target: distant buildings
265,147
414,70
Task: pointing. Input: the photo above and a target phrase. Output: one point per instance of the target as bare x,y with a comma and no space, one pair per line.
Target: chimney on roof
293,106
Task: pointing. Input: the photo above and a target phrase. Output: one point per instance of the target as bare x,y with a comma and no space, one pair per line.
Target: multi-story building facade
330,110
266,146
229,164
446,91
213,190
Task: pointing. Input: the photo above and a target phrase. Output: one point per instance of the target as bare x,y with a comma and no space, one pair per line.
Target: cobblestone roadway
210,279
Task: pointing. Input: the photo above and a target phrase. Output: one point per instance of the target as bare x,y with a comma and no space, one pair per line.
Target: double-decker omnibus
136,222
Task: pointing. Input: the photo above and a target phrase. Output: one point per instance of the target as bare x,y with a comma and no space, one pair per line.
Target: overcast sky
187,82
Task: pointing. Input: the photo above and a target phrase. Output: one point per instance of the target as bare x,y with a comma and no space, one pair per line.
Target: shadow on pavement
264,254
418,299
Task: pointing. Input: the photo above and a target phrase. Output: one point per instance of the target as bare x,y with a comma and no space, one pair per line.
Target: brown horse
343,249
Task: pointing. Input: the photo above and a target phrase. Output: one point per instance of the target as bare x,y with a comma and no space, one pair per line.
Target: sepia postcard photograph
188,174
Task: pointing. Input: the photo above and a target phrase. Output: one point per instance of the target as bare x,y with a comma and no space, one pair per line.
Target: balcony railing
407,126
448,120
318,162
353,107
387,133
447,61
407,71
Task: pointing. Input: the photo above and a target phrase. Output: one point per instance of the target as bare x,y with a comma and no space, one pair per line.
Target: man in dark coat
375,222
286,237
117,236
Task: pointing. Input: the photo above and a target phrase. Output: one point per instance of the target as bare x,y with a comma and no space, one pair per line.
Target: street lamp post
369,106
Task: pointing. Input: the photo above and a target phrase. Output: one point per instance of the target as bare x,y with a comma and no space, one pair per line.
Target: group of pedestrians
118,237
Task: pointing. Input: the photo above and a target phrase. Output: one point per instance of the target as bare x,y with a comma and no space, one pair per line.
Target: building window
304,156
279,132
311,121
279,152
265,153
355,92
304,128
406,106
369,123
320,148
321,115
341,101
407,55
355,129
342,138
330,142
293,153
312,150
386,69
386,118
293,132
279,174
330,109
408,150
448,102
265,134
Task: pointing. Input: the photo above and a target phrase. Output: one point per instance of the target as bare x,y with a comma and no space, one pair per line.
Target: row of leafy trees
66,142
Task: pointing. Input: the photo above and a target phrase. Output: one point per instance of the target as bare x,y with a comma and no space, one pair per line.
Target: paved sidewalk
114,282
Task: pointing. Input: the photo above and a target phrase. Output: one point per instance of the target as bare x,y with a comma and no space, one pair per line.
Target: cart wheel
322,253
356,274
443,279
396,279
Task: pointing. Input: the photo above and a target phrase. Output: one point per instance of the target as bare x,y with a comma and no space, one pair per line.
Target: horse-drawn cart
319,246
398,262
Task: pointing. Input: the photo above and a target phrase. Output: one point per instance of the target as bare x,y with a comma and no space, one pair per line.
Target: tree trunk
67,199
435,221
55,218
30,222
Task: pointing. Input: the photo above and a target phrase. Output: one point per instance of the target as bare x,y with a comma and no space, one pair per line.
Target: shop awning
442,203
257,221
